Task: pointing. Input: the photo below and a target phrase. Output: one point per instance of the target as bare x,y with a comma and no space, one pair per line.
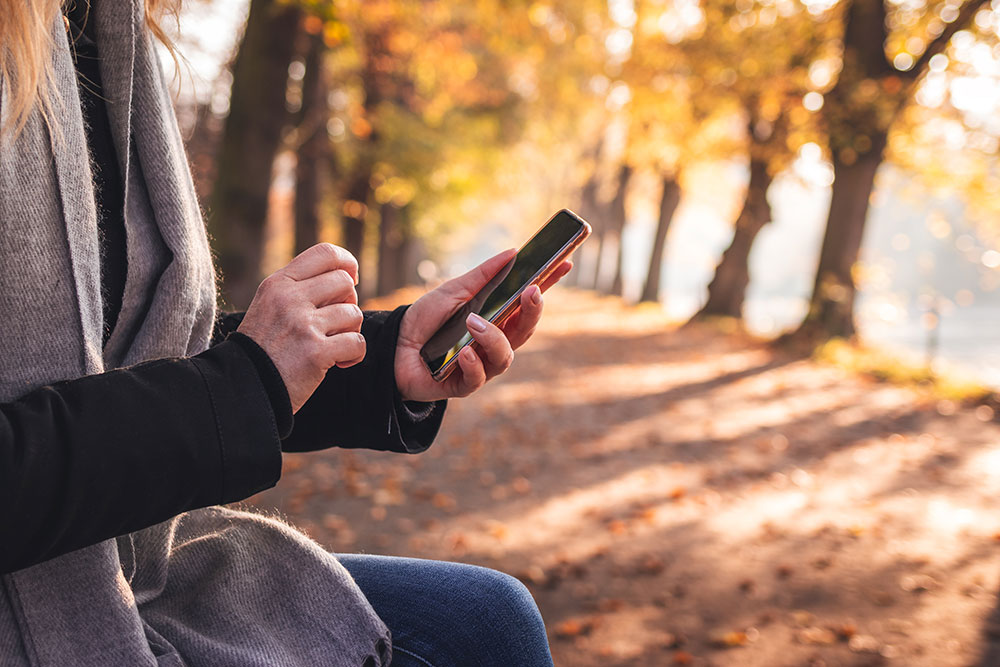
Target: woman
111,547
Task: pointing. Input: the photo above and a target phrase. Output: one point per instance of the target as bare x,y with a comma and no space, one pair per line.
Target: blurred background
674,462
702,139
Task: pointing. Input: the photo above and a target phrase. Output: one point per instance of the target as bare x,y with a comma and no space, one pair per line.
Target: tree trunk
599,233
250,140
831,309
202,147
586,263
857,125
313,144
356,210
670,199
359,189
393,245
728,288
589,211
616,224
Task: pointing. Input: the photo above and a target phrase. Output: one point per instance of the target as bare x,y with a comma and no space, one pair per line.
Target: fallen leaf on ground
444,501
576,627
918,583
498,530
683,658
727,639
864,644
816,635
534,574
802,618
650,566
610,604
846,630
521,485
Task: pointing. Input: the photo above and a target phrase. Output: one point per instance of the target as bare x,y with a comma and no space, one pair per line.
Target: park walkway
690,497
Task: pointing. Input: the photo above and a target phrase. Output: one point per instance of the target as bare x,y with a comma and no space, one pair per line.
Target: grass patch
887,367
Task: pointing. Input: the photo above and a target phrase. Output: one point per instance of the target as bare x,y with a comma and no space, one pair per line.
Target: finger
343,347
521,326
331,287
496,349
557,275
352,362
468,284
339,318
321,258
473,375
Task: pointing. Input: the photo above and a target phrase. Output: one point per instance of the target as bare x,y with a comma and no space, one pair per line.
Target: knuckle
267,287
350,347
315,324
327,250
356,317
324,254
497,337
476,384
338,284
343,279
349,260
340,257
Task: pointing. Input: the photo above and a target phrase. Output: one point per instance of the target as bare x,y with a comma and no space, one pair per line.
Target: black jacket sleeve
104,455
356,407
96,457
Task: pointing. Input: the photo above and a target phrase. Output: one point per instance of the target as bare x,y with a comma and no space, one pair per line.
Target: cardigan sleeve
104,455
356,407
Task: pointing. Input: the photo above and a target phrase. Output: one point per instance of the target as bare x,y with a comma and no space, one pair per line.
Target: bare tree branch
938,44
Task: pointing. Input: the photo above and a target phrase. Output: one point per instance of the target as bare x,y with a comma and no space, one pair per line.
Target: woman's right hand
306,317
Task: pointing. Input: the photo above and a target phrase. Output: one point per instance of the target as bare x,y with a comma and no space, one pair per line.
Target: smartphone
500,297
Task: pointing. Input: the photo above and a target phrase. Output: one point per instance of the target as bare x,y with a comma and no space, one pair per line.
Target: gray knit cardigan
211,587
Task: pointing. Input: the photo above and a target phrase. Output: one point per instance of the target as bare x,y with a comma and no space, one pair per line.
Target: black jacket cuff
244,419
270,377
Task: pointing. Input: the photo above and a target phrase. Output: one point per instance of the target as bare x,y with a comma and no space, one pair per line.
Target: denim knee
503,613
507,594
443,614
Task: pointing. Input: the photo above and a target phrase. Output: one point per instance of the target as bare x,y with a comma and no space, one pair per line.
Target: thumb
465,286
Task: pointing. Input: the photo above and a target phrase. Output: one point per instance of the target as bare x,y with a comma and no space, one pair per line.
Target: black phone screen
515,276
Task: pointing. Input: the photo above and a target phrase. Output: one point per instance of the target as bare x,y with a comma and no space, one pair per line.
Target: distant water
920,256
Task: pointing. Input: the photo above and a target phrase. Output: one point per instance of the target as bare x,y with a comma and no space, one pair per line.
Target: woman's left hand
496,345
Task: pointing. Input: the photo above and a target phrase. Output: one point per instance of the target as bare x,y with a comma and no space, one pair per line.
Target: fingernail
469,354
536,295
476,322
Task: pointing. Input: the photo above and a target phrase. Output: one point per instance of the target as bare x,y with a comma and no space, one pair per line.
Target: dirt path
685,497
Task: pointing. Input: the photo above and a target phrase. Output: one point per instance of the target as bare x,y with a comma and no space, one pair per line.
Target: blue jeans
450,614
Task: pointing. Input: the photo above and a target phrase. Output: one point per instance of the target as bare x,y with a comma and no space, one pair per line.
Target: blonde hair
26,45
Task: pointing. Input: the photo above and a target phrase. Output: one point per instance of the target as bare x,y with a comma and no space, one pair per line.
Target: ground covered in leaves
686,497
